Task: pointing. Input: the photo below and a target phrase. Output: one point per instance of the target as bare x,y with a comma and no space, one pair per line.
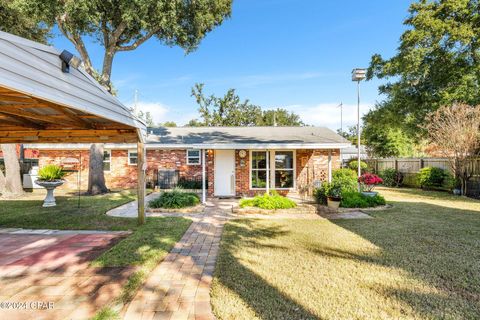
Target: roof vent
68,59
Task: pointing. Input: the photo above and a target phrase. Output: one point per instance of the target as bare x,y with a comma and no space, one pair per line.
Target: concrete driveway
45,274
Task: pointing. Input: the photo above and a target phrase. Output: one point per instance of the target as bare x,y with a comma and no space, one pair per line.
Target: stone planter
50,186
370,193
333,203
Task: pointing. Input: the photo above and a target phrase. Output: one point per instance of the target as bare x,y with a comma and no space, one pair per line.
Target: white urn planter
50,186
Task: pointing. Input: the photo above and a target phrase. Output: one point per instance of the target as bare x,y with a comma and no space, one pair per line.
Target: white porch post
329,165
204,175
268,172
141,182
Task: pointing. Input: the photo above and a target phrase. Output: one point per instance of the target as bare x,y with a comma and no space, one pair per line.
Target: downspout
204,183
268,172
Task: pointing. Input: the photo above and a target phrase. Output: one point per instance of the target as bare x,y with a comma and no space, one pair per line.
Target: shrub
320,194
266,201
369,181
358,200
175,199
411,180
353,165
346,179
432,177
51,172
391,177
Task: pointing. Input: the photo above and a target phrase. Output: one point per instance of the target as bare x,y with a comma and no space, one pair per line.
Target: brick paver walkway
179,287
46,274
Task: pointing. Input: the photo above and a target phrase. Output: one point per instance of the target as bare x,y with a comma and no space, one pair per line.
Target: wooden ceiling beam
24,122
44,118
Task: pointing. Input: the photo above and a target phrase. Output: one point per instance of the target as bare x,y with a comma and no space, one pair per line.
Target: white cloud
328,114
158,111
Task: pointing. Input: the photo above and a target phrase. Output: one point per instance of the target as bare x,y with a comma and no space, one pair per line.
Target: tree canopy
231,111
123,25
436,64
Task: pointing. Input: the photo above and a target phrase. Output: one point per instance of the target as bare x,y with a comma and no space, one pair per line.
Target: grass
417,260
27,212
145,249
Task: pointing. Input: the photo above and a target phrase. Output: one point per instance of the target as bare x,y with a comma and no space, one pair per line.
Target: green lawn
27,211
418,260
145,248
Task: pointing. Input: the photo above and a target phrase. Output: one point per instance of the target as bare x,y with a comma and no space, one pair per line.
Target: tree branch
137,43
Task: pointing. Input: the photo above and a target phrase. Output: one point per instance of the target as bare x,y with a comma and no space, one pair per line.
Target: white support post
204,176
141,182
268,172
329,165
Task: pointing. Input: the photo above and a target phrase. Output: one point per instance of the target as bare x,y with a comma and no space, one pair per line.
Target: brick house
230,161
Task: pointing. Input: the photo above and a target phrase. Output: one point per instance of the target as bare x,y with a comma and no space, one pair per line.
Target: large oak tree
121,26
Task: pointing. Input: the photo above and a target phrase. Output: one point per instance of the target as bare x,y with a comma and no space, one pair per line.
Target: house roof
231,138
246,137
36,97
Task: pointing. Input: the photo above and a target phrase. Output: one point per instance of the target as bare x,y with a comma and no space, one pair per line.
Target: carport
47,97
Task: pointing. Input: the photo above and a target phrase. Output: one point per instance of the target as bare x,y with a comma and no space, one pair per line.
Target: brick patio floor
53,267
179,287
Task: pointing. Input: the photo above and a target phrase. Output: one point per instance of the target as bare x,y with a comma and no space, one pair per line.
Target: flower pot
333,203
370,193
50,186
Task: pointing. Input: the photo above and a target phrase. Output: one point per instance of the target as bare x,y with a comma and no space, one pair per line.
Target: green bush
391,177
432,177
411,180
353,165
175,199
321,194
358,200
346,178
271,202
51,172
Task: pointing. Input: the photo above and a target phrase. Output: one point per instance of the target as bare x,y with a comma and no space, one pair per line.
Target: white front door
224,172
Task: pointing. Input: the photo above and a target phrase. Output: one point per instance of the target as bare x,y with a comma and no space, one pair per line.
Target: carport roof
40,103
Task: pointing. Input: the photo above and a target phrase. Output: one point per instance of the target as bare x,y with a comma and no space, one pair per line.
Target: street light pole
358,75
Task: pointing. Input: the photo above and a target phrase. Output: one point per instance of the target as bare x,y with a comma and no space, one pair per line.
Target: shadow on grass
267,301
436,245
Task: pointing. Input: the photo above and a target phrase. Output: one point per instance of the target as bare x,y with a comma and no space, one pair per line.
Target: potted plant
334,196
368,182
50,177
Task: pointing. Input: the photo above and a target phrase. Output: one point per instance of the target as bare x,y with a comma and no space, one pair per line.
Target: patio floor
45,274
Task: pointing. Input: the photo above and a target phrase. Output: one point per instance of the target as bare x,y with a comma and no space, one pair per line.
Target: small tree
456,131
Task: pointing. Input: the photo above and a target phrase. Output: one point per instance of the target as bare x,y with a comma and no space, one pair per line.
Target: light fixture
358,74
69,59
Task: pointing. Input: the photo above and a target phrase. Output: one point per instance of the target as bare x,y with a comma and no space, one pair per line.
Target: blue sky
295,54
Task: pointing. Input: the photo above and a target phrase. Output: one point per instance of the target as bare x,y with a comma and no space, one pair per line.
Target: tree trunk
12,184
96,178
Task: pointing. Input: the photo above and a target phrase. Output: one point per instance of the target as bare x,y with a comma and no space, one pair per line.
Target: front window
132,157
107,155
193,157
283,169
259,169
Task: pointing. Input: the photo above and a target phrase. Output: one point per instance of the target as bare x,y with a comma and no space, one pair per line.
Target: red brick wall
311,165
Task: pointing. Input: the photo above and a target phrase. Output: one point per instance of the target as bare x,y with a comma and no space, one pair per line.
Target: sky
293,54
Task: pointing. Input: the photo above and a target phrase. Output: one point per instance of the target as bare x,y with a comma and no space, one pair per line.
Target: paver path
179,287
46,273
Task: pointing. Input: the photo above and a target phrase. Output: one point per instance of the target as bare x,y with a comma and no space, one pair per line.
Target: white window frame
109,160
199,157
251,169
129,153
272,169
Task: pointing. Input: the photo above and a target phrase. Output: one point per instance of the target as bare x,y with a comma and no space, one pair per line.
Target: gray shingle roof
246,136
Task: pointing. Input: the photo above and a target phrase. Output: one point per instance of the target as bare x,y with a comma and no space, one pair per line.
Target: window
193,157
107,155
259,169
284,169
132,157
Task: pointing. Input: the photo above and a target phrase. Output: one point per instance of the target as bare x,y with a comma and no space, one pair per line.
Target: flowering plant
369,181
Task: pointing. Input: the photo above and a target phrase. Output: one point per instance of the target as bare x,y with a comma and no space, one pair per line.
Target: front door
224,173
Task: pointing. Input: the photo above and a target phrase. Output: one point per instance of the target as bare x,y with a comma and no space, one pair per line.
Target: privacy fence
410,167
